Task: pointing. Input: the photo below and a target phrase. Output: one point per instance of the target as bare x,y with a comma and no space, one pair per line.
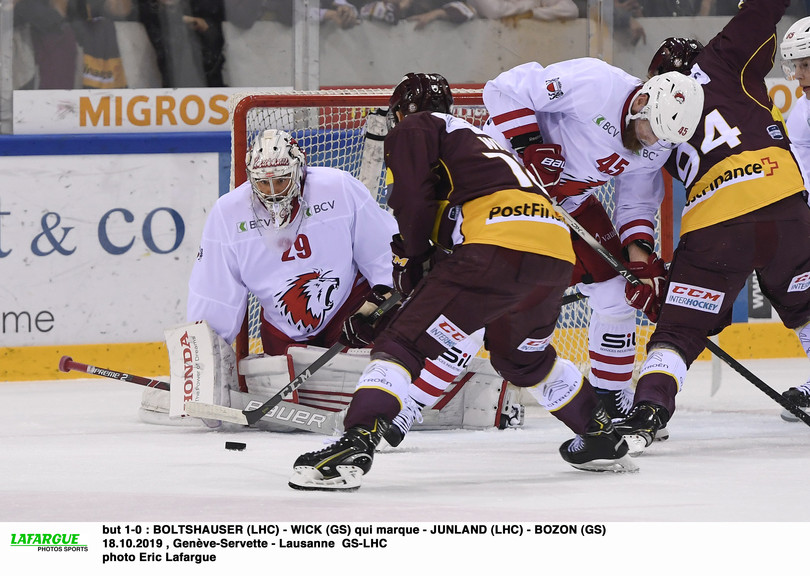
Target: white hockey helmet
276,168
795,46
674,106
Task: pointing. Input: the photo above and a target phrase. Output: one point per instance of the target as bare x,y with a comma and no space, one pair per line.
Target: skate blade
661,435
636,444
789,417
621,465
309,478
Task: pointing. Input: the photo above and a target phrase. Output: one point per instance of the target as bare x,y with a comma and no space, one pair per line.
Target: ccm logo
445,332
452,331
693,292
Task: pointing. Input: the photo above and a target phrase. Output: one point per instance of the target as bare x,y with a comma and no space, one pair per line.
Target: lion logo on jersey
307,299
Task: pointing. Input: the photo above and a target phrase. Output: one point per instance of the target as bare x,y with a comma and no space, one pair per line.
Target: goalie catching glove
647,296
357,332
408,270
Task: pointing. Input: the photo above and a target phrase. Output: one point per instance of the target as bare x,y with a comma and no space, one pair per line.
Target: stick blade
215,412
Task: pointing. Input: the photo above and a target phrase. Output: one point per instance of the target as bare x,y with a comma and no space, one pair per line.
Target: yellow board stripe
743,341
148,359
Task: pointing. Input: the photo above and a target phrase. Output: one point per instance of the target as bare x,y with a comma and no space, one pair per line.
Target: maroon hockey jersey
442,167
739,159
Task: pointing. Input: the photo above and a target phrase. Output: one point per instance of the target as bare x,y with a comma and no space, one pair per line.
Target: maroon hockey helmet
674,55
418,92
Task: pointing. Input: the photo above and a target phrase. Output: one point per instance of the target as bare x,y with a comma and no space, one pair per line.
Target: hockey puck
235,446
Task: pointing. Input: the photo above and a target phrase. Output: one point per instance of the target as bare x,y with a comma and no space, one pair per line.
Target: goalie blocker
203,369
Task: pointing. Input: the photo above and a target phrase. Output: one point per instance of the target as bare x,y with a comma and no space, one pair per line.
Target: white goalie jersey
300,274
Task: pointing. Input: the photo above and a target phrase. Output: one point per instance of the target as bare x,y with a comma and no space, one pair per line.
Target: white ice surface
76,451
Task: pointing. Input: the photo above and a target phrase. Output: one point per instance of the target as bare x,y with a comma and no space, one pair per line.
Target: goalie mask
674,55
418,92
276,168
795,46
674,106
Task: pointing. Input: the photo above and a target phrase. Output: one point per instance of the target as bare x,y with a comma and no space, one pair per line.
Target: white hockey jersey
301,274
580,104
798,128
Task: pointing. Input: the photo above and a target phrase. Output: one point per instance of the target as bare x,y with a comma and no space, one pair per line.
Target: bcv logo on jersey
318,208
695,297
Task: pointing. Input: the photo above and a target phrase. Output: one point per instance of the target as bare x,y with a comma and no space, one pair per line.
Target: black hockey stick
66,364
573,297
293,415
253,415
713,348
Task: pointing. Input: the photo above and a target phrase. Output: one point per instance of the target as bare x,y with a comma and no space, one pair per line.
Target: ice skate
341,465
642,426
618,403
800,396
402,422
600,449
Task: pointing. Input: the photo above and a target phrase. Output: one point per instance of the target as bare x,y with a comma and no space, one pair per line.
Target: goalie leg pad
155,410
203,367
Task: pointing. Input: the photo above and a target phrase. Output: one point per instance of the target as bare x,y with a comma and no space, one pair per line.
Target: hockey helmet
795,46
674,106
674,55
276,168
417,92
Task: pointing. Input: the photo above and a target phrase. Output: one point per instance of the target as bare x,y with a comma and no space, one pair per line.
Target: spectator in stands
625,20
55,48
546,10
421,12
94,27
660,8
187,38
243,13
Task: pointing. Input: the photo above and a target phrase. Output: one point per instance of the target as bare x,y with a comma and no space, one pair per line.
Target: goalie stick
251,415
286,413
713,348
66,364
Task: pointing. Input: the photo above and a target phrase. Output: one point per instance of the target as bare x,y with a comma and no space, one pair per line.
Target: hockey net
341,129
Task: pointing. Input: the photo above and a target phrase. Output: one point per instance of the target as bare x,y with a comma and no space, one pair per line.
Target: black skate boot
340,465
642,426
618,403
800,397
402,422
600,449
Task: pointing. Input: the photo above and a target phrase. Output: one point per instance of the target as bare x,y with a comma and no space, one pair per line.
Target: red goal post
332,127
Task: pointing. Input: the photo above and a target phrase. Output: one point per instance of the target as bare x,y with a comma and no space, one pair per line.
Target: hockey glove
546,162
647,296
357,332
408,270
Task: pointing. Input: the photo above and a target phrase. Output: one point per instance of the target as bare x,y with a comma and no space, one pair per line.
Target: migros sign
145,111
126,110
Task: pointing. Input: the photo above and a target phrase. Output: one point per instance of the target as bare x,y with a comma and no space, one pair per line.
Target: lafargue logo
48,541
